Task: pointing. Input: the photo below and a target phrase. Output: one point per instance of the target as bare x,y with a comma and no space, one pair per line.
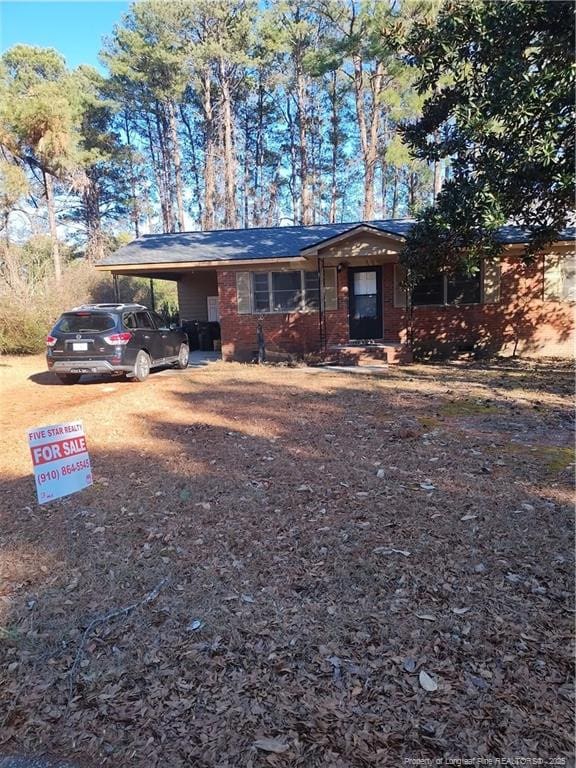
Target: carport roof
264,242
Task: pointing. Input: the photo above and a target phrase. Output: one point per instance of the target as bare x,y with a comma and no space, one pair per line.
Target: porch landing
378,353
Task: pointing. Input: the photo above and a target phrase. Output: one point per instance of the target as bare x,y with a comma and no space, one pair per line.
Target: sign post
60,459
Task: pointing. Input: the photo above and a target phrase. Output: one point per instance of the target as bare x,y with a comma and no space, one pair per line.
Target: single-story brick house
329,287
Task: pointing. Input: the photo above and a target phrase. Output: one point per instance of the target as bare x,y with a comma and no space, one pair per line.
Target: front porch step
377,354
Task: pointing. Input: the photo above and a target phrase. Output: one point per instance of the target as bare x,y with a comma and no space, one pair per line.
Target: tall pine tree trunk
11,273
412,189
134,202
437,173
368,133
51,206
208,219
306,212
246,173
296,201
91,195
384,188
165,165
177,166
193,160
157,175
258,203
230,218
335,147
395,194
437,179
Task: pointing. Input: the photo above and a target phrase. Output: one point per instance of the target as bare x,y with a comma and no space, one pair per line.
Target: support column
152,302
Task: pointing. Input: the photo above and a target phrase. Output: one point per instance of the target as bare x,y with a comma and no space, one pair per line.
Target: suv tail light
116,339
50,341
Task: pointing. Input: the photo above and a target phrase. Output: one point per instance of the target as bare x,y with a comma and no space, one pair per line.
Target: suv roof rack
108,306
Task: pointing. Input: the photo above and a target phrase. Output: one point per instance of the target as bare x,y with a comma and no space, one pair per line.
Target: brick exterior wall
521,321
294,332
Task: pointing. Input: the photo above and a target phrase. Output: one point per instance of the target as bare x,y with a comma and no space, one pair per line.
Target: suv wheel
183,356
142,366
69,378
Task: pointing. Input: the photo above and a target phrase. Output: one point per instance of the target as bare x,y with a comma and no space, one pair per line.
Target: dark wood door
365,303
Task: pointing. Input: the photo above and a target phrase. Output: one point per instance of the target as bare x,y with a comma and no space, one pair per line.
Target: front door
365,303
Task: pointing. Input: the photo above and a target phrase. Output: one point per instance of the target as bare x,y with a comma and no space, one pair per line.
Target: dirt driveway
319,569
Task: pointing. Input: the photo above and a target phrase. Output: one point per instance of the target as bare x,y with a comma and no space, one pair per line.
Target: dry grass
256,493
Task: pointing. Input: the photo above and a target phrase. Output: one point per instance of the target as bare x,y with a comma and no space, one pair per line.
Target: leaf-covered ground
346,570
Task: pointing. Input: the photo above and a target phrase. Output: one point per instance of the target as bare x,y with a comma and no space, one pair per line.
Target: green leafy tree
13,187
499,85
104,162
146,60
39,122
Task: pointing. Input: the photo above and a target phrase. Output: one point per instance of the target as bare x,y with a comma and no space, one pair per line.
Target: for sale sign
60,459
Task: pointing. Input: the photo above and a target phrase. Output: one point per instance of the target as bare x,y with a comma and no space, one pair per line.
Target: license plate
80,370
81,346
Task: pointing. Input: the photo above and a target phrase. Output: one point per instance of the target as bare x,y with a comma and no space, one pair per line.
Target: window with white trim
448,289
559,277
289,291
568,277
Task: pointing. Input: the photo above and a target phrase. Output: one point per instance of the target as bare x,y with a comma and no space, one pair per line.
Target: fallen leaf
386,551
428,683
468,517
460,611
271,745
409,664
426,616
195,625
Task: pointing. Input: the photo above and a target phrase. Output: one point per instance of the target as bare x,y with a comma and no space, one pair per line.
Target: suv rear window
85,322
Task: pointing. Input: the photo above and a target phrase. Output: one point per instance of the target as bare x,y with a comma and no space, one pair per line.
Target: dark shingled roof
263,242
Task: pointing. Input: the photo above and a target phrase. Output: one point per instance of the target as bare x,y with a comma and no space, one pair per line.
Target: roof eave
176,265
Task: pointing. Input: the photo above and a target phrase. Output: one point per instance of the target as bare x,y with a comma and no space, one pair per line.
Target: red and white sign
60,459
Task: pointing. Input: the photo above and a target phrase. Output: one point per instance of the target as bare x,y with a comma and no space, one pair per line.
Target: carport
198,302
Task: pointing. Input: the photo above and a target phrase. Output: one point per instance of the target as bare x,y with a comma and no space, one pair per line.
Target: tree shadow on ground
268,518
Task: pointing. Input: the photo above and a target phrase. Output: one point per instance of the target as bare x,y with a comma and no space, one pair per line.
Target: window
559,278
448,289
365,295
463,289
286,291
143,320
429,291
568,276
290,291
311,290
159,321
213,306
130,321
85,322
261,291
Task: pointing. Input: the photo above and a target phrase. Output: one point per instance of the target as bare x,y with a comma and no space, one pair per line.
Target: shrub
28,313
29,308
22,329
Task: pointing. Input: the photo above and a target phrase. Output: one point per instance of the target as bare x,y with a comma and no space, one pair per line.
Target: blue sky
74,28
